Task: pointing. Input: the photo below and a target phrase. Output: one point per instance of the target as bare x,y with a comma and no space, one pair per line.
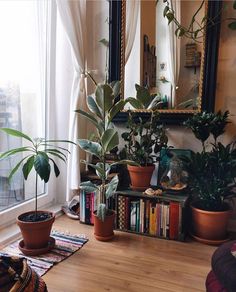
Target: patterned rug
66,245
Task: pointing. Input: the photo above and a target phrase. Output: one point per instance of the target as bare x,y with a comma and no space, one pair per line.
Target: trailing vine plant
195,29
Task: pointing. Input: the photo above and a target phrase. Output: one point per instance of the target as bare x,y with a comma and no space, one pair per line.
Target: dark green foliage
38,156
212,173
144,139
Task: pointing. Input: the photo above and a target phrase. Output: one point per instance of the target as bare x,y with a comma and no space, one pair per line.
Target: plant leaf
112,186
116,88
56,169
134,102
88,187
15,151
93,107
90,147
104,42
234,5
27,167
42,166
110,140
232,25
104,96
14,170
90,118
117,107
125,161
16,133
143,95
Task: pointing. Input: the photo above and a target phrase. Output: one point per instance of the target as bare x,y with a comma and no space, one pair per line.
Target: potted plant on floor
39,155
143,143
212,178
102,109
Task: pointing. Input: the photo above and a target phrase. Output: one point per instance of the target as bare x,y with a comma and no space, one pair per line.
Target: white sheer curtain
73,16
132,10
174,51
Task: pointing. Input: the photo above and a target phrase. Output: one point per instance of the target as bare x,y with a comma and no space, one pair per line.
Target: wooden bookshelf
164,216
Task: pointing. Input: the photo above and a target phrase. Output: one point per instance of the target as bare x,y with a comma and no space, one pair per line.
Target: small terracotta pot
210,225
103,231
140,176
36,234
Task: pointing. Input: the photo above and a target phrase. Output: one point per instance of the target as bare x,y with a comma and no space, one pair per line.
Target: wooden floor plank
130,263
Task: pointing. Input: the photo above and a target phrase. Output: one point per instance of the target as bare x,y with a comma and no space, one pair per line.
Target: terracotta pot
36,234
140,176
210,225
103,231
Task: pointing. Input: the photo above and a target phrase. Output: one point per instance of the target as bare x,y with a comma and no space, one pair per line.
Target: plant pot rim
113,212
151,166
39,211
209,212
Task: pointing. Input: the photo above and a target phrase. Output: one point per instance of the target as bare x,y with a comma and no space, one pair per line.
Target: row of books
88,204
163,219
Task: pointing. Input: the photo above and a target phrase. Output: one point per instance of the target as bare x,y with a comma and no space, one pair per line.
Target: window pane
23,31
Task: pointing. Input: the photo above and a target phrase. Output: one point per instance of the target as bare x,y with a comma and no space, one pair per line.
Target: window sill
12,232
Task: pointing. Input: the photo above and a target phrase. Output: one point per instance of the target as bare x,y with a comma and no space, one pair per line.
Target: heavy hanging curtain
174,51
132,10
73,16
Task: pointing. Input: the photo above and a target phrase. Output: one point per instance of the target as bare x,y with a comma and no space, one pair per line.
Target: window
26,44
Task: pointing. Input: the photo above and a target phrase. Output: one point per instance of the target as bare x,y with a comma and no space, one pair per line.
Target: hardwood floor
130,263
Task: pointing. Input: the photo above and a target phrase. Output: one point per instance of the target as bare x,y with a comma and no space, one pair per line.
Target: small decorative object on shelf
152,214
174,177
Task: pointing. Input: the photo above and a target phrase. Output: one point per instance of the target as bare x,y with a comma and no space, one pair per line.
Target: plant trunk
36,196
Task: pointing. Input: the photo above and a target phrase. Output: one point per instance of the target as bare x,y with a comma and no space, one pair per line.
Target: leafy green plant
102,109
145,100
38,156
212,173
195,30
144,139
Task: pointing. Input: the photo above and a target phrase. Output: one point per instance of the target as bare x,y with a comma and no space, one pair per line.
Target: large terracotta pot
36,234
140,176
210,226
103,231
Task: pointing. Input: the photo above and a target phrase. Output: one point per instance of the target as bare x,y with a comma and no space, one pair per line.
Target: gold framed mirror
183,83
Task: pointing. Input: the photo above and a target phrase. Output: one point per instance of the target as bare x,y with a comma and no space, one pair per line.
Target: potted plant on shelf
102,109
39,155
143,143
212,178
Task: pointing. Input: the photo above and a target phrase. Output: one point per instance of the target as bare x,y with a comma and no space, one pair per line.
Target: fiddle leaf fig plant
102,109
38,155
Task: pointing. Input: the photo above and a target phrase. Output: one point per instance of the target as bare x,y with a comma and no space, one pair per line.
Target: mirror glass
153,57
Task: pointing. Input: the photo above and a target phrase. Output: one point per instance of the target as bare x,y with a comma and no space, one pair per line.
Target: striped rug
66,245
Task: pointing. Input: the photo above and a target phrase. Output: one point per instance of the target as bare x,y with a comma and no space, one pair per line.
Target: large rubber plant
102,109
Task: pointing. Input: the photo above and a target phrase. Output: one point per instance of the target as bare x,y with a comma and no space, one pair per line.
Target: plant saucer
36,251
210,241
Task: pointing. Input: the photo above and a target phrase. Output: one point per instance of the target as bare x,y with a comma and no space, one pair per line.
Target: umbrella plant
39,155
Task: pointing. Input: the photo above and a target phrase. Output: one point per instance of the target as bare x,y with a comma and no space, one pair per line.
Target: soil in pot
103,230
36,235
140,176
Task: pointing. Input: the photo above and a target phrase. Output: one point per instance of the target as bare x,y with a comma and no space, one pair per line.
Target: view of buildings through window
23,55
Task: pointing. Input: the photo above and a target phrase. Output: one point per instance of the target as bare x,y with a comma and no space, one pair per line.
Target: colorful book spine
147,217
121,213
174,219
137,229
152,224
133,215
87,208
127,213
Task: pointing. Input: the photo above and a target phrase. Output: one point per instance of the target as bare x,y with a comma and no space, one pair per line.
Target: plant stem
36,196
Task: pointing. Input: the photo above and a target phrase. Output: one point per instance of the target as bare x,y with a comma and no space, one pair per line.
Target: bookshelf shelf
164,216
